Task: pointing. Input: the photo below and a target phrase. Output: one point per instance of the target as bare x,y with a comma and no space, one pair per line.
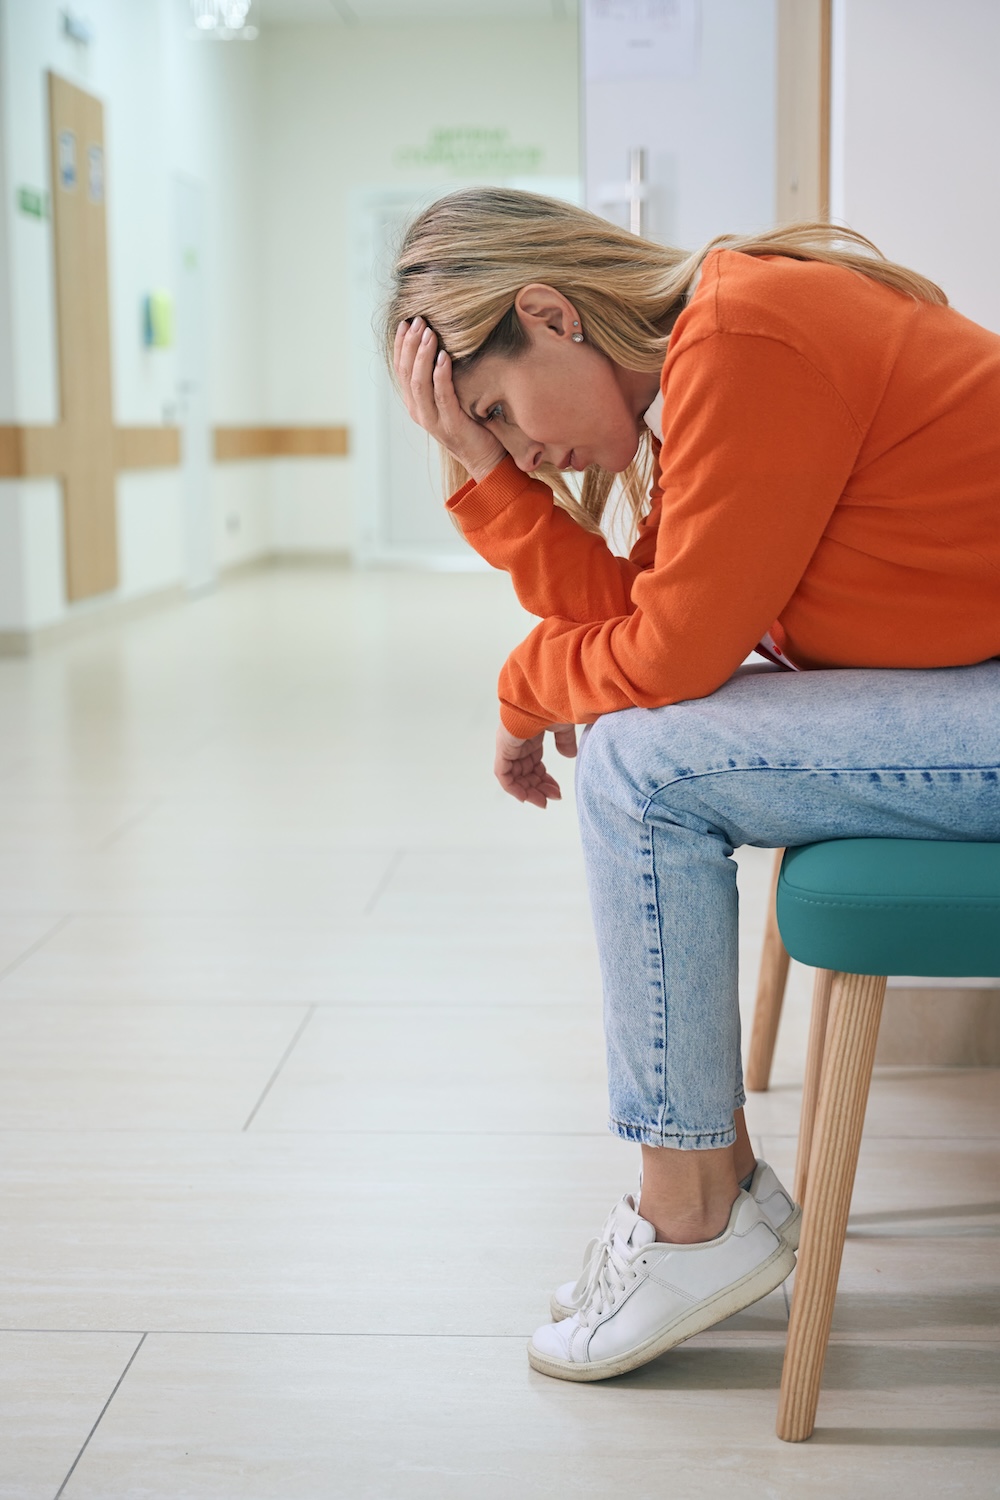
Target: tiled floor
302,1105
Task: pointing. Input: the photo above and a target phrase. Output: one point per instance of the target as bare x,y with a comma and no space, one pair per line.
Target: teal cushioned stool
858,910
892,906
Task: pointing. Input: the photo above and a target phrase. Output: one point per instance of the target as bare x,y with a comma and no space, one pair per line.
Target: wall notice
640,38
470,151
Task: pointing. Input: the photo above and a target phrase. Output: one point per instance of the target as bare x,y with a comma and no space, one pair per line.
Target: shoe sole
732,1299
789,1232
792,1228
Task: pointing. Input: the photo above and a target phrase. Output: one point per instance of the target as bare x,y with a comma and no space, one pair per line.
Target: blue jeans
773,758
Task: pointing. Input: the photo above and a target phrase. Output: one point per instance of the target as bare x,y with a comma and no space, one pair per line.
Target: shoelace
592,1255
607,1270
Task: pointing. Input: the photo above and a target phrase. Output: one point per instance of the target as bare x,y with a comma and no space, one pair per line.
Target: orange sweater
830,471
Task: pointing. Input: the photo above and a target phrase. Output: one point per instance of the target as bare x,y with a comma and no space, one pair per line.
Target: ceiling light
222,20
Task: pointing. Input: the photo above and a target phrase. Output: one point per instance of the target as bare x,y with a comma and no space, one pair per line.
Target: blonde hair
464,259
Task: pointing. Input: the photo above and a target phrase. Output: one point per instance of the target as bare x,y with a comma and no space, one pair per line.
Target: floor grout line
383,882
127,824
734,1336
281,1063
595,1134
40,943
97,1424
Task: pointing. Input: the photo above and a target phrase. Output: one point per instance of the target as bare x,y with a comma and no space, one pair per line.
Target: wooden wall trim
147,447
825,99
803,157
44,452
33,452
41,452
235,443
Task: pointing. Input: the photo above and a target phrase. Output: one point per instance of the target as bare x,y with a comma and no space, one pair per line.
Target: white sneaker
644,1297
783,1215
778,1206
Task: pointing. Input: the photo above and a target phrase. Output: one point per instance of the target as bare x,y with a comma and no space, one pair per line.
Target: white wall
710,135
171,106
341,106
281,132
916,137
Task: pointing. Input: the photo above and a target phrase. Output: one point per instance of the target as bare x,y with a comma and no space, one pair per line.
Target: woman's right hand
428,391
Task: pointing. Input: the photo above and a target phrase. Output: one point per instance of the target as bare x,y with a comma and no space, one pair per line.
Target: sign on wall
472,151
641,38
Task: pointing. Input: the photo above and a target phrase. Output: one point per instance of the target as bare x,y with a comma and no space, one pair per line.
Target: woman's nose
529,457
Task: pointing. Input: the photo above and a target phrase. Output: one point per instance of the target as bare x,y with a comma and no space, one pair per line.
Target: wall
342,107
915,127
710,136
171,106
280,132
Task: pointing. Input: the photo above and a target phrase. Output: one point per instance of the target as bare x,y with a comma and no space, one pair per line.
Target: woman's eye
494,413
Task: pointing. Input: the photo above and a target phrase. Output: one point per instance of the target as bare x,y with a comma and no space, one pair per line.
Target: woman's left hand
519,767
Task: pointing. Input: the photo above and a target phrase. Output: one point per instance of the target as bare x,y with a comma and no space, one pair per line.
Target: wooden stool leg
814,1072
852,1031
770,995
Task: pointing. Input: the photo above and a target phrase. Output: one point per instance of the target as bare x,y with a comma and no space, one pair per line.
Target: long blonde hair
463,260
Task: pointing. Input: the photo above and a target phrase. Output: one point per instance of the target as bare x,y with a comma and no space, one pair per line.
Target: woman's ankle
745,1167
688,1223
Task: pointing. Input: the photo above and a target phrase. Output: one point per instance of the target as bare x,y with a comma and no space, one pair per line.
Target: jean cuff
680,1140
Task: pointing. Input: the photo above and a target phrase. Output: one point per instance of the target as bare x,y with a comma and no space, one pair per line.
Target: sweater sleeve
557,568
757,450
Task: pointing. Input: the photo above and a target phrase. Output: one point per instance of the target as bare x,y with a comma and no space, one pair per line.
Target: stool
858,910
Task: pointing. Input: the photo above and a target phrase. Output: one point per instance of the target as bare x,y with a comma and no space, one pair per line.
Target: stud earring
578,338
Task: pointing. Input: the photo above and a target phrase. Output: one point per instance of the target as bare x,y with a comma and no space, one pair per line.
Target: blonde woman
809,441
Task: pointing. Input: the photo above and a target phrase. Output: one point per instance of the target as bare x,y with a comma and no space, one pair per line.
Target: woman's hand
519,769
428,391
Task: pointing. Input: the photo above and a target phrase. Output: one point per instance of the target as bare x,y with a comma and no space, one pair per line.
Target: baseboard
946,1027
265,561
20,643
82,621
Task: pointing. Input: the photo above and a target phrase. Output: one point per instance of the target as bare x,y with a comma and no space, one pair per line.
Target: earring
578,338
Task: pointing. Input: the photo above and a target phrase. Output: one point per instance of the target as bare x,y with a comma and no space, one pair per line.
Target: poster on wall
640,38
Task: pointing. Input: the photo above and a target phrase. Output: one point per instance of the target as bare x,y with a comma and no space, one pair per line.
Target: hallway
302,1101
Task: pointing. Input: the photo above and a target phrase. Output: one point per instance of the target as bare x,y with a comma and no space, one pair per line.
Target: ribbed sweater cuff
521,725
475,505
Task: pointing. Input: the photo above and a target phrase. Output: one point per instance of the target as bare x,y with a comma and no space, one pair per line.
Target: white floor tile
147,957
532,1068
74,1067
274,806
445,1419
378,1233
21,934
53,1387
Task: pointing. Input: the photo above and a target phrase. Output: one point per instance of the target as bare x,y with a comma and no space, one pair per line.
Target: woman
826,448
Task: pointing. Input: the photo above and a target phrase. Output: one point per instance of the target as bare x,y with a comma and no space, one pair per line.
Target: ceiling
370,12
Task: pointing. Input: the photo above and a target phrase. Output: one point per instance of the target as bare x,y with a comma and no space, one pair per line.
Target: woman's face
557,402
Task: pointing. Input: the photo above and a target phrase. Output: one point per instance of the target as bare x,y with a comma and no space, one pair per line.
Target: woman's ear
545,312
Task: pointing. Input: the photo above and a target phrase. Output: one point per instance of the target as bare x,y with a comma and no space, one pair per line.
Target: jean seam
807,771
653,917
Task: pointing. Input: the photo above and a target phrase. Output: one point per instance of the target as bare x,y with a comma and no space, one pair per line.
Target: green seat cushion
892,906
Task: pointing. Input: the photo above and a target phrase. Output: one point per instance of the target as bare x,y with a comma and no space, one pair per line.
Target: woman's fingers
520,771
421,381
424,373
415,352
565,738
407,346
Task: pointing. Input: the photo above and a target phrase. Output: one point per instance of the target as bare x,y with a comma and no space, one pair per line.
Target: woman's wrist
478,469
